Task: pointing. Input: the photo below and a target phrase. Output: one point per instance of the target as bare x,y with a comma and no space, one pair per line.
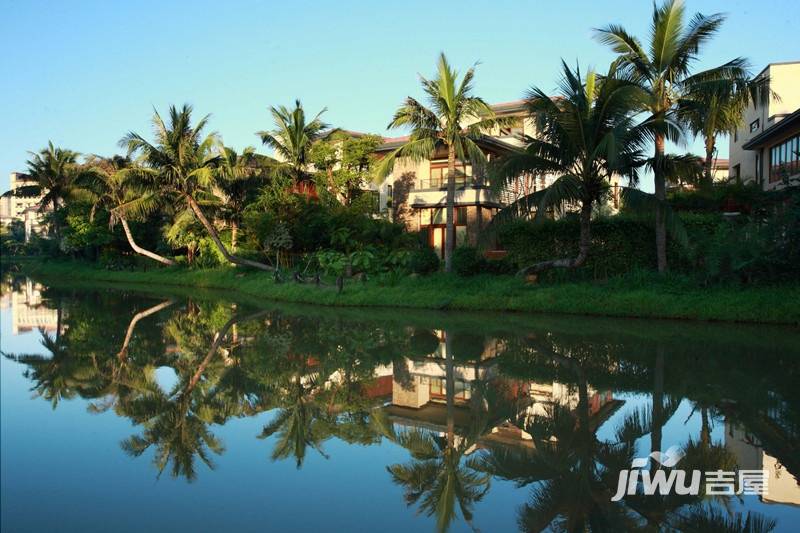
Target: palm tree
299,423
442,473
114,189
714,109
176,424
292,138
59,375
55,171
454,119
238,180
664,71
182,163
585,135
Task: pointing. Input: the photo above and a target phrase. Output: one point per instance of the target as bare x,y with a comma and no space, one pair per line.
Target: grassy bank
647,296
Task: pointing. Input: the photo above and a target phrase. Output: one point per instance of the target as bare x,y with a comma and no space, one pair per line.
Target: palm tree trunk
661,198
135,320
139,250
584,243
705,427
450,390
450,228
657,413
212,232
234,234
708,164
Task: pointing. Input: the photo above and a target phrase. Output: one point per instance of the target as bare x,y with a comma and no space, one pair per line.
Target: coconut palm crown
292,138
664,70
454,119
584,135
182,162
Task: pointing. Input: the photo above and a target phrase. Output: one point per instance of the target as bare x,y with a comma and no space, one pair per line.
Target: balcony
440,184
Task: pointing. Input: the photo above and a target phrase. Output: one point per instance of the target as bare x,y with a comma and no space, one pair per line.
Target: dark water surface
131,412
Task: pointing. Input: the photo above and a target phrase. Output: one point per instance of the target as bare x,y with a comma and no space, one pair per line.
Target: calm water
131,412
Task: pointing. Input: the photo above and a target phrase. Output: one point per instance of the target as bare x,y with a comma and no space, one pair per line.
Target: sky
84,73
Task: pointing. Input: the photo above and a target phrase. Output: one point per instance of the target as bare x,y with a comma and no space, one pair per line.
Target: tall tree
56,172
114,187
454,119
717,109
239,177
664,70
182,163
585,134
292,138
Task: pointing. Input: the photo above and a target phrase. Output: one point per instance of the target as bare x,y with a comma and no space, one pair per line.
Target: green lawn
647,296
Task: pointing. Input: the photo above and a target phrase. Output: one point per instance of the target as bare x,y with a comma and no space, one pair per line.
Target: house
765,148
720,170
416,191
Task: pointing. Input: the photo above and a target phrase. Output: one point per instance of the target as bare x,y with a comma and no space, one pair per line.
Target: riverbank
644,297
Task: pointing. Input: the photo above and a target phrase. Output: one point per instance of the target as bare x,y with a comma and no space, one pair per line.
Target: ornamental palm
664,71
585,135
56,172
182,163
292,138
113,186
454,119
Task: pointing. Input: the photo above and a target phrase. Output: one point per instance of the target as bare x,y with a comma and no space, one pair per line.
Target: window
754,125
438,389
439,175
758,167
515,129
784,159
438,216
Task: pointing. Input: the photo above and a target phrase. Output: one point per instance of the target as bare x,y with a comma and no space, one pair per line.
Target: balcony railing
441,183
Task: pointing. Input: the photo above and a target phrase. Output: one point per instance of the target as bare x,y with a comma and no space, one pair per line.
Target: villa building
415,192
766,148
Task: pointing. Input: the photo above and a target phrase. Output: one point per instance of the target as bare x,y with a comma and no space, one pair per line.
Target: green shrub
423,261
467,261
620,244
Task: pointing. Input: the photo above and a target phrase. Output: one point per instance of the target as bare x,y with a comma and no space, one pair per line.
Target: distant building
766,148
720,170
17,207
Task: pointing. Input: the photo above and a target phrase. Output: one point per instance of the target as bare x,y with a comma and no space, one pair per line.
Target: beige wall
785,82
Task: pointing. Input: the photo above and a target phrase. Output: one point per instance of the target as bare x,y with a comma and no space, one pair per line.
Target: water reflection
558,407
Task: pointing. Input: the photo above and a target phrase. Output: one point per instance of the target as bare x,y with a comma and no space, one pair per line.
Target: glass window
514,129
424,217
754,125
758,167
461,235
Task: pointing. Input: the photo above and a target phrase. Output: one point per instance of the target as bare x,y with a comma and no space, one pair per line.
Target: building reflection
782,486
28,309
421,401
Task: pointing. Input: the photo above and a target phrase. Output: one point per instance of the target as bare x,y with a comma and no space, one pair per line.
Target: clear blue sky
83,73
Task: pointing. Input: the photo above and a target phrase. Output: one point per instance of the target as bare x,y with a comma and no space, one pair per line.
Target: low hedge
620,244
